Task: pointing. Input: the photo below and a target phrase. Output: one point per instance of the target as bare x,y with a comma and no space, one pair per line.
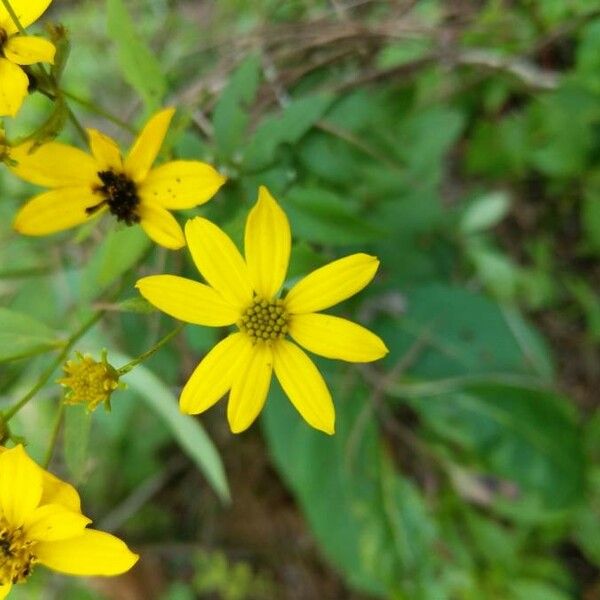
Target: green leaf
589,302
590,214
136,305
231,117
494,268
78,422
485,212
527,589
563,123
464,333
526,435
21,335
426,137
587,524
288,128
120,250
185,429
137,62
372,524
53,124
322,217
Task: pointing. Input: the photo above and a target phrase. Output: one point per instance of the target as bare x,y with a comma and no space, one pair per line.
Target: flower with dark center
120,194
84,186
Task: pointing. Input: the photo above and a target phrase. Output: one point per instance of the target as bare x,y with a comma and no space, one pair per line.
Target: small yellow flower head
41,523
272,325
18,51
90,382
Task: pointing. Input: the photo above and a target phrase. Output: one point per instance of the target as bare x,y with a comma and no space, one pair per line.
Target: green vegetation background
458,141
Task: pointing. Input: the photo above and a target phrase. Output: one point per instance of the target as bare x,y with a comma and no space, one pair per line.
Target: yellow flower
18,50
41,522
89,382
245,293
84,185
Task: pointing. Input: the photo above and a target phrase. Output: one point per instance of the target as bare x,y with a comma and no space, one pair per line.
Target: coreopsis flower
18,50
89,382
84,186
246,293
41,523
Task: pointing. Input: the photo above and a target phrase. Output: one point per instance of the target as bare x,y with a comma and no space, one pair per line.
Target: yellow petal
187,300
267,245
29,49
91,553
250,387
219,261
54,165
105,151
13,89
213,377
56,491
20,485
56,210
304,386
147,145
333,337
161,226
332,283
27,11
5,590
51,522
181,184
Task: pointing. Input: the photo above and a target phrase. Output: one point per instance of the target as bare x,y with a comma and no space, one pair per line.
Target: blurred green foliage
461,468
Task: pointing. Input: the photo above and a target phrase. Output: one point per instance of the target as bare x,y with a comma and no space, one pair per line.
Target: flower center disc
264,321
120,193
16,558
91,382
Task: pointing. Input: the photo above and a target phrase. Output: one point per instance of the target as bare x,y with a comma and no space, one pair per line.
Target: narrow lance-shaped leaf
22,335
185,429
138,63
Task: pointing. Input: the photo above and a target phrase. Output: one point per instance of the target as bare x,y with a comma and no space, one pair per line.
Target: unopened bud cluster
90,382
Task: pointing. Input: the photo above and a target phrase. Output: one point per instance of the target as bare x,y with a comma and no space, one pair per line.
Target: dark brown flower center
16,556
120,194
3,40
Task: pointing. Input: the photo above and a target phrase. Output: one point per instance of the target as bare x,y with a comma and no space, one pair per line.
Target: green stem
60,413
93,107
41,382
13,16
90,105
80,128
142,357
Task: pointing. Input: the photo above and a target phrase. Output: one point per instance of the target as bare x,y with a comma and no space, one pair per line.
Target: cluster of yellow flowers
40,518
